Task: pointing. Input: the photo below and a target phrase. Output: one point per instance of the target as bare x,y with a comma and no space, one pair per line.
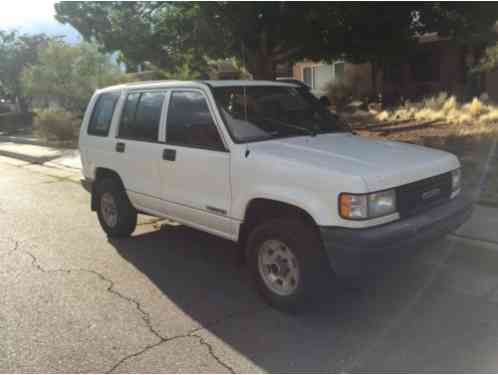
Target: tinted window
256,113
102,114
190,122
141,116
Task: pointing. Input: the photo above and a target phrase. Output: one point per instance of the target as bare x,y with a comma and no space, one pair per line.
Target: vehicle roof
213,83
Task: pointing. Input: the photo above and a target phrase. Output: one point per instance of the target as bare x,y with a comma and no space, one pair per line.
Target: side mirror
324,100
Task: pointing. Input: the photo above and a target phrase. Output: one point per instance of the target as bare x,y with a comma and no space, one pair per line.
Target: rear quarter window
103,111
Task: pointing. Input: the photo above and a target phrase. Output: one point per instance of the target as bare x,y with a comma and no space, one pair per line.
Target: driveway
171,299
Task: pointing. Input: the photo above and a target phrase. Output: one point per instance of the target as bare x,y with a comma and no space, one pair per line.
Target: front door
195,167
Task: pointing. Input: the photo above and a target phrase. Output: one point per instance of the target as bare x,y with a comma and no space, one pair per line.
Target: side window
141,116
190,123
127,122
103,111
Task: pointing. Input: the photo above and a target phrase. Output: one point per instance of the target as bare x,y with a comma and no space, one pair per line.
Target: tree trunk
23,104
263,69
261,66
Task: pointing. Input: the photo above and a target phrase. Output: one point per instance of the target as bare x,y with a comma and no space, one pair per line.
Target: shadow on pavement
202,275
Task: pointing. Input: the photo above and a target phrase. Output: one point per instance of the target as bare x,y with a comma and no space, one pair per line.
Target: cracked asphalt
171,299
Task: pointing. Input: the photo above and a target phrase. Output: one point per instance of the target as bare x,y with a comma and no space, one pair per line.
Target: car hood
381,164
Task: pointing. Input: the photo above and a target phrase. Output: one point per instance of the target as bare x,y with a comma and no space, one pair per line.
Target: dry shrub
490,117
474,108
57,124
382,116
475,116
450,104
436,102
339,93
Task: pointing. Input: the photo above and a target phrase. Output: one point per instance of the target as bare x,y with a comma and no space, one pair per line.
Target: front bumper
352,252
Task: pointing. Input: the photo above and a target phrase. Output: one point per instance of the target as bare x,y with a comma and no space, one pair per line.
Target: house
437,64
317,75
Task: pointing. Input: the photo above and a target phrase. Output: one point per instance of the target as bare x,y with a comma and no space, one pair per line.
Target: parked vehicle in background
266,165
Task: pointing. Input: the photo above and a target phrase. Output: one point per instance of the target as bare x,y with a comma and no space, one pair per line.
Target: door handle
169,154
120,147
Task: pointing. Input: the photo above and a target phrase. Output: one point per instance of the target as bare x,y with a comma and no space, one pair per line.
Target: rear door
137,148
195,170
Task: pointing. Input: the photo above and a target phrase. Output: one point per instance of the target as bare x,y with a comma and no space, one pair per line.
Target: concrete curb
26,141
24,157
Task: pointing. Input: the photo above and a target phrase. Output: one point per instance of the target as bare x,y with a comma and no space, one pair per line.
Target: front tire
288,264
117,216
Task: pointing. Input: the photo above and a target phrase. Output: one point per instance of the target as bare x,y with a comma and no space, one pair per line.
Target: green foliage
57,124
140,31
264,34
67,75
12,121
17,52
4,108
489,61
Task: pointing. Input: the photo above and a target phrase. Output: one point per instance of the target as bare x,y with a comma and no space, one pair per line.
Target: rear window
103,111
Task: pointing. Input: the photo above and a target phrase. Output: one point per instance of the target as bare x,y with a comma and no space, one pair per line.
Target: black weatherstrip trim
187,206
217,210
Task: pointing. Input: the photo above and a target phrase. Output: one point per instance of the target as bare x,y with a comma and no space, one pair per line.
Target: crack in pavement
110,287
145,315
192,333
13,250
213,354
167,340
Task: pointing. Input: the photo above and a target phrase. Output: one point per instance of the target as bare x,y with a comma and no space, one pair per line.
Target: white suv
266,165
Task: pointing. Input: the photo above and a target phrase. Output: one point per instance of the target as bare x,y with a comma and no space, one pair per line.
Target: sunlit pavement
171,299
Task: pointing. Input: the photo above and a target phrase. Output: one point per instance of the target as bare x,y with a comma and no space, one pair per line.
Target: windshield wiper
311,132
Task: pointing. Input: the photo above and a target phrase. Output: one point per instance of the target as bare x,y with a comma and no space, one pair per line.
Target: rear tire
117,216
288,264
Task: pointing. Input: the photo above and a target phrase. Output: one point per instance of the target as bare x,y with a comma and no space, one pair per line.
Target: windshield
254,113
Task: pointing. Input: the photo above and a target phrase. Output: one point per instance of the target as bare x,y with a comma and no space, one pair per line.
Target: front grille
421,195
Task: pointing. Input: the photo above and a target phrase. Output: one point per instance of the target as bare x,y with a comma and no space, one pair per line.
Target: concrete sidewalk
44,155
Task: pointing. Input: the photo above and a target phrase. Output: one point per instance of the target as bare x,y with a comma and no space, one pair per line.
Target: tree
168,34
489,60
383,33
17,52
69,74
264,34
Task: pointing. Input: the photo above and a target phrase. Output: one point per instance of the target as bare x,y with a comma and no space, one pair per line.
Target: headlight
456,180
367,206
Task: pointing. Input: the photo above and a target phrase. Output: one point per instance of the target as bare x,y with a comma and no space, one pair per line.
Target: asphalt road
171,299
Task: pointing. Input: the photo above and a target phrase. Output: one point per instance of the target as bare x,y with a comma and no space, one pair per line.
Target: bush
57,124
12,121
436,102
339,94
475,116
4,108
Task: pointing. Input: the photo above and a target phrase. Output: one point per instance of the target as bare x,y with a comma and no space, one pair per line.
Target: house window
316,77
309,76
339,70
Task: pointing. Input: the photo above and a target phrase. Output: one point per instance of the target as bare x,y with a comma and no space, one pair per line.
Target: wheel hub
278,267
109,209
